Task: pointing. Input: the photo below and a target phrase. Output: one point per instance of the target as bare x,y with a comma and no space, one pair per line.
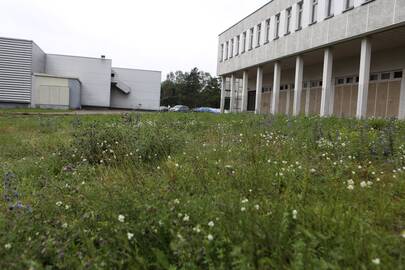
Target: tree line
193,89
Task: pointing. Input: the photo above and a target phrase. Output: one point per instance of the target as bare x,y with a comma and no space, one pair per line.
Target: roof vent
102,56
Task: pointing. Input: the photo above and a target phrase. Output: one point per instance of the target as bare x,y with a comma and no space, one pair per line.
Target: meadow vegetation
197,191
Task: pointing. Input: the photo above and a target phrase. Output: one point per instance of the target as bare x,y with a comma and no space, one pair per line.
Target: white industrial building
326,57
31,78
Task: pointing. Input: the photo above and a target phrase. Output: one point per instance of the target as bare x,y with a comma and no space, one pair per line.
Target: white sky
166,35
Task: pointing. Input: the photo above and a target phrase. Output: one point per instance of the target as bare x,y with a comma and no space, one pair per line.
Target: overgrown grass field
196,191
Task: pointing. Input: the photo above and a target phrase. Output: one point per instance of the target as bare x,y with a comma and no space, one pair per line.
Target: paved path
78,112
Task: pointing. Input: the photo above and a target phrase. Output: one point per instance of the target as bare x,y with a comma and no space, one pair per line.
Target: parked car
179,108
163,109
207,110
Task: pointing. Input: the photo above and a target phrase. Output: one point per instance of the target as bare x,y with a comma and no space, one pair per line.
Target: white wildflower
7,246
186,218
376,261
363,184
294,214
243,209
59,204
350,187
350,182
121,218
130,235
210,237
211,224
257,207
245,201
64,225
176,201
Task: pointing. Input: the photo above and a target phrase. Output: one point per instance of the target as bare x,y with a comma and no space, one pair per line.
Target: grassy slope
275,190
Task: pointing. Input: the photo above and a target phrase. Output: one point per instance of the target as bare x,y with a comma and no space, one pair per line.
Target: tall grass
190,191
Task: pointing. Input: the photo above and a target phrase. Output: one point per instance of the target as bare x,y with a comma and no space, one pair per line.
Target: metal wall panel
15,70
94,74
145,89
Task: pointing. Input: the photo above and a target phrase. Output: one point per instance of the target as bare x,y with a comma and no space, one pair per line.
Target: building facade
31,78
327,57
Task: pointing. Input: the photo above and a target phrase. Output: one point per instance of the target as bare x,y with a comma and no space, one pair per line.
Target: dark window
340,81
385,76
373,77
349,80
320,83
397,74
299,15
357,79
277,30
314,12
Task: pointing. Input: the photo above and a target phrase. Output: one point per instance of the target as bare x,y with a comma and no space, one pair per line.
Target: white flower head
176,201
121,218
294,214
7,246
363,184
245,201
350,187
130,235
243,209
210,237
59,204
64,225
257,207
376,261
186,218
211,224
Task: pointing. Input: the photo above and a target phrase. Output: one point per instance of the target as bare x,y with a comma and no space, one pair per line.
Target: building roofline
246,17
150,70
77,56
22,39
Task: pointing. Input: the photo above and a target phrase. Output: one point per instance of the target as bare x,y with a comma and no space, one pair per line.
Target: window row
271,27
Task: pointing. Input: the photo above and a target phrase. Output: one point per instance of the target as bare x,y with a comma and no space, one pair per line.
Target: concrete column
245,91
259,86
276,88
307,100
402,98
299,75
327,82
287,107
233,95
223,85
364,78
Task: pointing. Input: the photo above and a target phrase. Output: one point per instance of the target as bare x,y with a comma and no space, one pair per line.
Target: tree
194,89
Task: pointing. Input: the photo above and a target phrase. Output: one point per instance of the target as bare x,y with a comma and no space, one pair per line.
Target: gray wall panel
145,86
38,59
15,70
94,74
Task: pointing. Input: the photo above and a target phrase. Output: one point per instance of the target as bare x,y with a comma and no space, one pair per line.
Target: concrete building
327,57
31,78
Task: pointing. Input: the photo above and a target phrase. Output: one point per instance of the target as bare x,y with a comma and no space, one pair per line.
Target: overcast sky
149,34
